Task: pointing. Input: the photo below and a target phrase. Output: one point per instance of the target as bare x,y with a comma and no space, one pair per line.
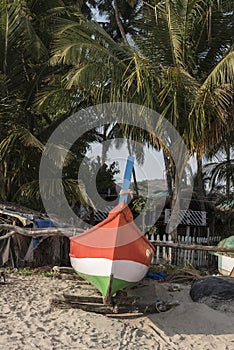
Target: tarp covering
227,242
41,223
24,219
20,251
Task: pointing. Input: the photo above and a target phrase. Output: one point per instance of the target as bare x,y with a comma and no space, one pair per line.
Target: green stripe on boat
102,283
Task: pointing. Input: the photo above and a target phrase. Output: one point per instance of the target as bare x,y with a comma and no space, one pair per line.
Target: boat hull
98,272
114,250
225,264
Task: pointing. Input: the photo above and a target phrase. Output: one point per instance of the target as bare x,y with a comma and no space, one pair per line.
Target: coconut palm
219,170
160,78
177,66
218,174
25,36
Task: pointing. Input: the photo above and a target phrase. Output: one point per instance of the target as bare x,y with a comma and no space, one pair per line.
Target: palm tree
219,171
118,17
176,66
25,36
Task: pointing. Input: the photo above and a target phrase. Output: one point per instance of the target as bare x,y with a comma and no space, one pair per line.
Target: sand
28,322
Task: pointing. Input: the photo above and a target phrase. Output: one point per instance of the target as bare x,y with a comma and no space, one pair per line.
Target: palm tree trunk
6,182
135,181
200,187
104,144
118,21
169,178
228,158
175,208
133,170
200,184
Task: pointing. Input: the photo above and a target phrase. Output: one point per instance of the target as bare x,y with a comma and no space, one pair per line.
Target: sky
152,168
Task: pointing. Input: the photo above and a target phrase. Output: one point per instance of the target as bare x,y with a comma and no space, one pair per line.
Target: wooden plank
116,309
131,300
83,299
97,308
65,269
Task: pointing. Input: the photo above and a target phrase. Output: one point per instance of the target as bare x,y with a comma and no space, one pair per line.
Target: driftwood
182,276
119,304
21,209
99,299
97,308
89,304
70,231
66,270
37,232
82,299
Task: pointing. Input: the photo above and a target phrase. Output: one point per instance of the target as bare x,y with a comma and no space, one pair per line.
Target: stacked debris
19,251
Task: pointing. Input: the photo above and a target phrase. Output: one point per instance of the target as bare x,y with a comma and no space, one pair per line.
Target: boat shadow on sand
169,310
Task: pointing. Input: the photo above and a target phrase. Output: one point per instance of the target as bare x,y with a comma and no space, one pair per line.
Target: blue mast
127,179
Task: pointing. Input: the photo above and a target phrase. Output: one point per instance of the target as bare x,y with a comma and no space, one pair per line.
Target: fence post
164,248
189,251
157,259
169,249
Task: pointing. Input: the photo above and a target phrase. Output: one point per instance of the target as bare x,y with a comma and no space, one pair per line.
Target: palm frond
22,135
223,73
218,172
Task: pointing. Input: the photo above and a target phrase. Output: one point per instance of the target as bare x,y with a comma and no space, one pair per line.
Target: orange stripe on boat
139,251
115,238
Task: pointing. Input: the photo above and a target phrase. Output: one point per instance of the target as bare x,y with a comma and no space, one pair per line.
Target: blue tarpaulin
156,275
41,223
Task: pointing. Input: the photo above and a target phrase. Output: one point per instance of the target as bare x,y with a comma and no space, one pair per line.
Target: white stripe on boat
126,270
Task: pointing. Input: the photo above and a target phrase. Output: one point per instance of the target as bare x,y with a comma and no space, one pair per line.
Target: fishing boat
226,265
114,254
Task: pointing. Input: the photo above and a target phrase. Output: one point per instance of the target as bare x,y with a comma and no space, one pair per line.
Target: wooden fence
196,258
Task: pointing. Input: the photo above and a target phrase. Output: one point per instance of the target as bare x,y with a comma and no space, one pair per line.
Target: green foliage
178,59
128,12
139,204
27,271
176,77
101,176
224,215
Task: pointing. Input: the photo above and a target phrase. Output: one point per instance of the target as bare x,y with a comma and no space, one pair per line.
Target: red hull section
115,238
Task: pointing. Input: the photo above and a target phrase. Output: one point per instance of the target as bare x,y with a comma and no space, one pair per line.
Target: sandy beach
29,322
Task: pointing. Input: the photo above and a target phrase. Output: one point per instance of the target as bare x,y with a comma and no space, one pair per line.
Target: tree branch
37,232
118,21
